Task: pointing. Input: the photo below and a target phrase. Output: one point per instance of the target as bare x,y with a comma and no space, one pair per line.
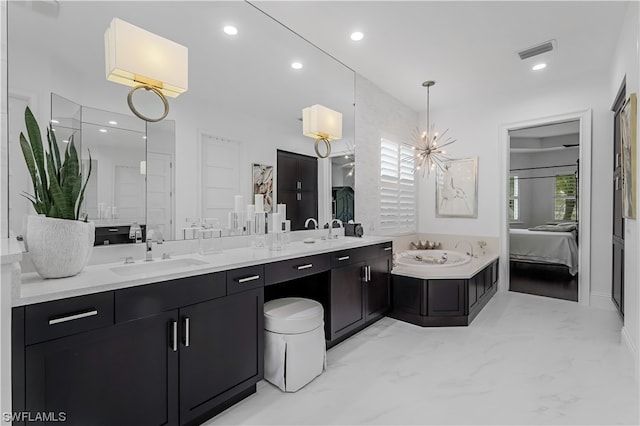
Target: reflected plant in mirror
227,109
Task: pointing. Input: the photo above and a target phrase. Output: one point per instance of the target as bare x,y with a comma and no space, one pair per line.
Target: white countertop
465,271
98,278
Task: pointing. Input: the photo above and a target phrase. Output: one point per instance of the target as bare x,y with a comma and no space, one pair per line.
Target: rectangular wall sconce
322,124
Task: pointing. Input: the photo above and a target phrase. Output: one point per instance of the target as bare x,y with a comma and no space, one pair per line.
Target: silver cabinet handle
617,160
343,258
186,331
298,185
174,337
307,266
368,273
617,183
299,197
113,229
364,274
247,279
73,317
387,248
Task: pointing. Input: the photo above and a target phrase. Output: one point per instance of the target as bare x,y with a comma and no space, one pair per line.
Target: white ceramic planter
59,247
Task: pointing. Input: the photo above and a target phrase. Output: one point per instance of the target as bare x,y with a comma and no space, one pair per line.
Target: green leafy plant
58,188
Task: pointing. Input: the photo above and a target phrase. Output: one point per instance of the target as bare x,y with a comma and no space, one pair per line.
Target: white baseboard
602,300
631,347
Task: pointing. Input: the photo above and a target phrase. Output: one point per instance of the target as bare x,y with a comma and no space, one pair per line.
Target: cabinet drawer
348,257
245,279
385,249
141,301
112,230
59,318
296,268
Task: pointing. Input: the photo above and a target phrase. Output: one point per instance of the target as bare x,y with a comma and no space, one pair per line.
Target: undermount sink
156,266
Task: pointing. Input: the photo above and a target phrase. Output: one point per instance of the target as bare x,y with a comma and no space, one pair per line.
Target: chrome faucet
470,252
315,223
153,236
331,227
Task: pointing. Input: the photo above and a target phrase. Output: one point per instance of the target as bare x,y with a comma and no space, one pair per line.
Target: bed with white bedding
548,247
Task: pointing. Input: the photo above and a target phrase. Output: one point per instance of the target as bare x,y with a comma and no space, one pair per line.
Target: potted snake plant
59,239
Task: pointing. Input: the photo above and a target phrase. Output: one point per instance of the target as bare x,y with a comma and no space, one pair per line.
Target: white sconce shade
322,123
135,56
143,167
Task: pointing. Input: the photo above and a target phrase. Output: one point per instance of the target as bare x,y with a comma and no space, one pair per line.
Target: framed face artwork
457,189
628,138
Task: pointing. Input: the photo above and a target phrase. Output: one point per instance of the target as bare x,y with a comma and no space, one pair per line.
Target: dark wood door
287,171
617,271
445,298
298,187
617,292
221,350
347,310
377,293
122,374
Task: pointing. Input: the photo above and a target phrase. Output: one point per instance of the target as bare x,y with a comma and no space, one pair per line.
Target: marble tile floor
524,360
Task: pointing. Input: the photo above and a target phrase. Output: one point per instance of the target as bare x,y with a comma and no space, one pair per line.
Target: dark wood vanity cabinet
378,288
178,353
220,351
360,289
347,297
122,374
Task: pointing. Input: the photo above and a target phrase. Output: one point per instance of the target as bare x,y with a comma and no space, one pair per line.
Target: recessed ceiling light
144,137
538,67
357,36
296,65
103,130
65,141
113,123
230,30
55,121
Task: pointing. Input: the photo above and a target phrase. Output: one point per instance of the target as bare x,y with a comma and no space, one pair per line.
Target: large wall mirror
244,97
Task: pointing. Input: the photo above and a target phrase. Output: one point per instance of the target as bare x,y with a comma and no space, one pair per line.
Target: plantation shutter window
397,188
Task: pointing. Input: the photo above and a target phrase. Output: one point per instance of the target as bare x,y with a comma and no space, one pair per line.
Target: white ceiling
468,48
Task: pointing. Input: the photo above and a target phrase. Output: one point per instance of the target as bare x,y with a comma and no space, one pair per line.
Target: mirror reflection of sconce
323,124
138,58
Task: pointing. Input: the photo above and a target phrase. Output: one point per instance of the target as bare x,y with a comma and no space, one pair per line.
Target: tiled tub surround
178,345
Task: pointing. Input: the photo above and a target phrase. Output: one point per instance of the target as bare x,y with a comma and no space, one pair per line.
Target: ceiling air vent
539,49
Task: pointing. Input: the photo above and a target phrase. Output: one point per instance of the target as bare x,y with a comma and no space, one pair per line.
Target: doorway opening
545,232
544,173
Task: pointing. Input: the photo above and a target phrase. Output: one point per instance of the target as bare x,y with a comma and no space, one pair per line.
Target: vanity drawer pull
307,266
247,279
73,317
343,258
388,248
113,229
